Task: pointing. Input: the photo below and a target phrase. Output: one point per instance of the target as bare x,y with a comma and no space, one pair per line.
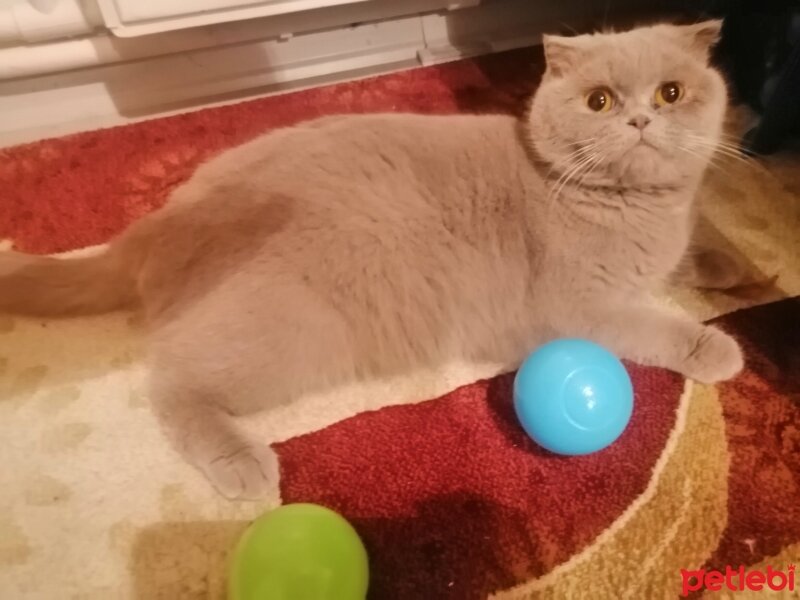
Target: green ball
299,552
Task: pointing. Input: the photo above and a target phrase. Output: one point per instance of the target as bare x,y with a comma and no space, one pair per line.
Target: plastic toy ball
573,397
299,552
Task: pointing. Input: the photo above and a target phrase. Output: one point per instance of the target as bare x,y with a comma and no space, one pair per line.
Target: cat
357,246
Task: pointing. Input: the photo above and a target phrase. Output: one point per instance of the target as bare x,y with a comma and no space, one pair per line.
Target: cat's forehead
633,59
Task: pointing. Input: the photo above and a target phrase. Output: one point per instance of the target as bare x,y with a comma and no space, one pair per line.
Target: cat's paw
246,474
715,356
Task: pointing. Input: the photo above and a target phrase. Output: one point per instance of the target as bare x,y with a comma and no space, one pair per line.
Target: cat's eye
600,100
669,93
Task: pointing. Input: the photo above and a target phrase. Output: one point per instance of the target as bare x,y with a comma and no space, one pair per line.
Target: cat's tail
49,286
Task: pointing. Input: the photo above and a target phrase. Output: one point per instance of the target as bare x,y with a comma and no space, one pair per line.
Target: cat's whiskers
568,160
734,140
590,144
738,150
719,144
574,142
596,164
564,176
578,153
570,174
709,160
716,151
721,148
589,169
728,136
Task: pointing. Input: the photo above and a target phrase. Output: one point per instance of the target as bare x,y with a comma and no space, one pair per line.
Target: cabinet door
138,17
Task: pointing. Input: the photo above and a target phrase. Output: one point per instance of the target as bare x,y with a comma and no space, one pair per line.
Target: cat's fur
361,245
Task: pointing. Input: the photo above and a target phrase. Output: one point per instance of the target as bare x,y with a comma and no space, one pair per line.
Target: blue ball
573,397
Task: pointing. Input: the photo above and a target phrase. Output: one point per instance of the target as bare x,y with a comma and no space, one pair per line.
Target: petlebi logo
738,580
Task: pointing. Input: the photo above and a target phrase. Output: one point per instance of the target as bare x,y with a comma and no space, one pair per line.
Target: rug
449,496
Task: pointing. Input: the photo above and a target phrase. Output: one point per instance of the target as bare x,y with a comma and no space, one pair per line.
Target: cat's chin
644,164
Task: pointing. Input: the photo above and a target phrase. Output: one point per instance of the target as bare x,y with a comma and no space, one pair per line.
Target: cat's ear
699,38
561,53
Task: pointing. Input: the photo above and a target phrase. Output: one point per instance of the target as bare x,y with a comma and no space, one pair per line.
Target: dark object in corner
761,44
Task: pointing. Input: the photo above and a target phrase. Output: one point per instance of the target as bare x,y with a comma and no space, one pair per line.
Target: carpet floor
450,497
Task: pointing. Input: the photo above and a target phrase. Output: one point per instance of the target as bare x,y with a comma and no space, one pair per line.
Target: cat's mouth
643,148
644,142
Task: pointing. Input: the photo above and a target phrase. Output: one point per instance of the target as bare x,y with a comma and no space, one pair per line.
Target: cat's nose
639,121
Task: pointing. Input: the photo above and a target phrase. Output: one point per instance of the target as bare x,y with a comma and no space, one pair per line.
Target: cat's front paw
715,356
246,474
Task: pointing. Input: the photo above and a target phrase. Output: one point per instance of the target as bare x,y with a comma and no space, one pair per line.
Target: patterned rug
450,497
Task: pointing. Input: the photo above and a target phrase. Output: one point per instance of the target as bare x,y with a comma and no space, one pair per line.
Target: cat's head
638,108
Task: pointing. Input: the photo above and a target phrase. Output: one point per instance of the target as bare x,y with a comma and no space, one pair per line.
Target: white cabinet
138,17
